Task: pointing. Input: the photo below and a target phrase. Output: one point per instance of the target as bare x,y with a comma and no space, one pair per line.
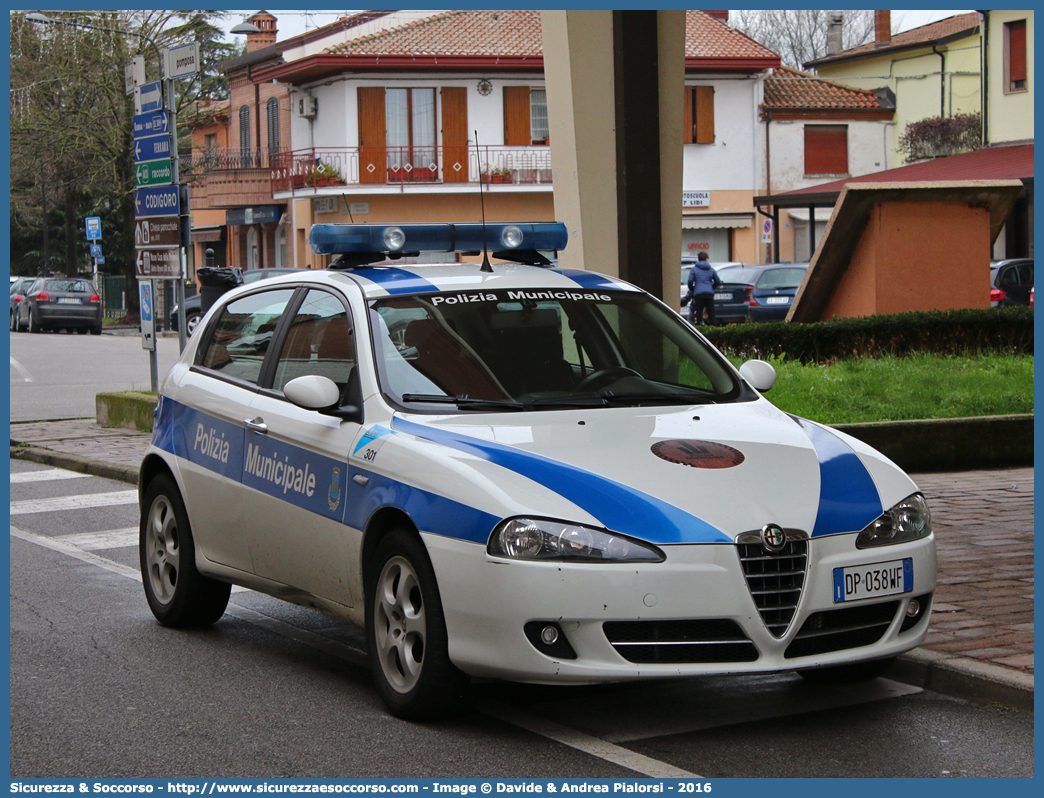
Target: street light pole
168,91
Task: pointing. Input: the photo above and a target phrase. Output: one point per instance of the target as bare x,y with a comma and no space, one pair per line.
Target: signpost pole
179,285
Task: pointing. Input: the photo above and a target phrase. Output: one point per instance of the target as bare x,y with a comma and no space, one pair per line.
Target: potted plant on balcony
317,174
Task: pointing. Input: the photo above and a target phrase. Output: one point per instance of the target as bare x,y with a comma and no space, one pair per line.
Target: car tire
96,329
14,321
178,595
34,326
847,674
191,323
406,633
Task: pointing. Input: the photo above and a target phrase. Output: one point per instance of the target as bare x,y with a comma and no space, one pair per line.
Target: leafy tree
801,36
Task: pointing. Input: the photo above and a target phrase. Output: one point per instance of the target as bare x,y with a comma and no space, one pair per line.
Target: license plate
777,300
68,300
870,581
722,297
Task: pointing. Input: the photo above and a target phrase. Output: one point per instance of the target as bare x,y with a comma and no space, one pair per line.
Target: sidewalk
980,640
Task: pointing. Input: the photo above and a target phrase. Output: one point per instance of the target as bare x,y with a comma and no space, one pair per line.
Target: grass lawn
893,389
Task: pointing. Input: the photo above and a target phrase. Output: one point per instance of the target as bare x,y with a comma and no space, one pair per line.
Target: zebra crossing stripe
45,476
114,499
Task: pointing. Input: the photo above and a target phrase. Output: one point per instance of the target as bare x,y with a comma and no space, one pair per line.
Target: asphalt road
56,375
99,689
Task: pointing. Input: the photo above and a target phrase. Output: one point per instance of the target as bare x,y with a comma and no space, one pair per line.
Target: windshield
737,274
542,349
781,278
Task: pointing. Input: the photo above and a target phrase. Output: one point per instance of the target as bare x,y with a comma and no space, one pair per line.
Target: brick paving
983,607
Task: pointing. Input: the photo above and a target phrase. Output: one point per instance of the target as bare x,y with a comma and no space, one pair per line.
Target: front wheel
406,633
847,674
178,594
191,323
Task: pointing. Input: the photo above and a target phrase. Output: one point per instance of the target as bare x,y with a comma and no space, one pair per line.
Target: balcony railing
199,162
402,166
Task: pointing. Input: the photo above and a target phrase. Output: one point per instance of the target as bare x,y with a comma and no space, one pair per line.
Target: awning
709,221
206,233
801,214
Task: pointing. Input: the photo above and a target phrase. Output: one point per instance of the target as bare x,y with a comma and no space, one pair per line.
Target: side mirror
759,374
312,392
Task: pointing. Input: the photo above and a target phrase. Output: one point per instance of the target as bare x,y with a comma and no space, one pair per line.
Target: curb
78,463
963,677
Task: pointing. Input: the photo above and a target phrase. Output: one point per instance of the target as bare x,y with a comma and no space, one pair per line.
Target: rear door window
243,334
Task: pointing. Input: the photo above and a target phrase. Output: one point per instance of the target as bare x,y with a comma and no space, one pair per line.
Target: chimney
834,28
882,27
267,37
722,16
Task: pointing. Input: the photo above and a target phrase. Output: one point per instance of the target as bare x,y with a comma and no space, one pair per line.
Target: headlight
909,520
538,539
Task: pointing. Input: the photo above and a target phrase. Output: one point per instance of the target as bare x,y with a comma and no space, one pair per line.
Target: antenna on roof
482,201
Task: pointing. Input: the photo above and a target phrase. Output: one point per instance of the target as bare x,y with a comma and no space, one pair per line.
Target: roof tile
788,88
926,34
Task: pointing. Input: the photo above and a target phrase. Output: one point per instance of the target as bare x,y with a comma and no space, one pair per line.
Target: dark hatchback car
774,291
54,303
193,308
1011,282
732,297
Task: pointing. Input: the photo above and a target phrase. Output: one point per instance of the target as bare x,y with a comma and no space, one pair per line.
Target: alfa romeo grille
691,641
837,630
775,579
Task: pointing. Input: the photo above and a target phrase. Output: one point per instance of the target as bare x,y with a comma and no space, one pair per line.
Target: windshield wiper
691,398
463,401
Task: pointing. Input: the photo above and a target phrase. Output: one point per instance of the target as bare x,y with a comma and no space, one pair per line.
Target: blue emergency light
392,240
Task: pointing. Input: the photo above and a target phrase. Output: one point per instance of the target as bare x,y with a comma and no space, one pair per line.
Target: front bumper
488,601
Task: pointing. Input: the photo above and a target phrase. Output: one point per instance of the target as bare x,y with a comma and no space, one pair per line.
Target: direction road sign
157,264
161,232
157,201
151,124
152,97
153,173
93,228
183,61
151,148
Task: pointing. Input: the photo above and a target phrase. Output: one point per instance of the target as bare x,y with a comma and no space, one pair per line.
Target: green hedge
941,332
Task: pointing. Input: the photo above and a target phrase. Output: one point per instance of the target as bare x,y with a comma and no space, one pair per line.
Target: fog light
913,609
549,635
548,638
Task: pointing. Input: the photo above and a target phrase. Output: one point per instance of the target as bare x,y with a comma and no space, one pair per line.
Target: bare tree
801,36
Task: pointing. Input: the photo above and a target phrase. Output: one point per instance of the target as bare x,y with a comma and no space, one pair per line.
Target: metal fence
113,292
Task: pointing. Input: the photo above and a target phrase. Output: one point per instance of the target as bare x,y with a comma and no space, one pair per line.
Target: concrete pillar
614,86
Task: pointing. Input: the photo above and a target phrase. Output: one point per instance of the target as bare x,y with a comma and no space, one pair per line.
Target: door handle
256,424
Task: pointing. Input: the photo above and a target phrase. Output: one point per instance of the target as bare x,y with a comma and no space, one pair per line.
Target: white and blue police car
520,472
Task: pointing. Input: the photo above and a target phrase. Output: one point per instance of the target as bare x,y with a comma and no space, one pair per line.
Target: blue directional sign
152,148
151,97
96,250
93,228
156,201
101,260
151,124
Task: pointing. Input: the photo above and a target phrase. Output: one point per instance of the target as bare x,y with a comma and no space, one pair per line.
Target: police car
521,472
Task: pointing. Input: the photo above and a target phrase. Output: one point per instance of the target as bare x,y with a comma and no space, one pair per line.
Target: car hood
699,474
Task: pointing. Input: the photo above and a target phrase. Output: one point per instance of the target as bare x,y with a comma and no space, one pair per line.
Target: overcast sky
295,21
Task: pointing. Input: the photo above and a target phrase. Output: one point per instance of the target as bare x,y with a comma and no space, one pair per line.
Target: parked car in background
686,267
19,285
1011,282
774,291
54,303
732,299
193,311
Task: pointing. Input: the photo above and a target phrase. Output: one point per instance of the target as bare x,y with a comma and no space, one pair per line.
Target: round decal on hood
698,454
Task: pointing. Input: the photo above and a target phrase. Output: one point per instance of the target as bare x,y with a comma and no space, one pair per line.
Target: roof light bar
328,239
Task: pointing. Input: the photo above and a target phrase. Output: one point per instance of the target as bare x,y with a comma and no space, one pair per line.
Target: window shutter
826,149
1017,50
704,132
273,126
373,166
516,116
687,131
454,134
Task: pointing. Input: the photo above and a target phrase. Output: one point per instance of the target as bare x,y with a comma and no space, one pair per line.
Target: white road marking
545,728
114,499
45,476
93,541
595,746
22,370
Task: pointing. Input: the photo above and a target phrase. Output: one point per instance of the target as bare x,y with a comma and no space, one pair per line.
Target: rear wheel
191,323
406,633
846,674
14,321
177,593
34,326
96,329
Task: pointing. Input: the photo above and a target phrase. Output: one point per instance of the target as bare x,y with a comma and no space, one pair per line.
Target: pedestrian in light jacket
702,282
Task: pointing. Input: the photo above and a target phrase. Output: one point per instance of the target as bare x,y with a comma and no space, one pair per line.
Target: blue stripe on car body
590,279
848,497
619,507
395,280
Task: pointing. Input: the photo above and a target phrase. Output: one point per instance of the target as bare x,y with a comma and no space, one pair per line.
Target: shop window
826,150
